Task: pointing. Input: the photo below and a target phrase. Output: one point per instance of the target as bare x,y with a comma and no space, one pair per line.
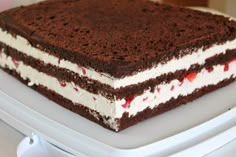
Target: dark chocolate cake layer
118,37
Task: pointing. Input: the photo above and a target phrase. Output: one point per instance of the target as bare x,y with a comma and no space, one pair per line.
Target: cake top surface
118,37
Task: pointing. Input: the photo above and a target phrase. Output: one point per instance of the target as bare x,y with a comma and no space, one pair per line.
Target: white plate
29,112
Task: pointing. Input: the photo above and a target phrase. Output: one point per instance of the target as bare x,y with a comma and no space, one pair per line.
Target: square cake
117,62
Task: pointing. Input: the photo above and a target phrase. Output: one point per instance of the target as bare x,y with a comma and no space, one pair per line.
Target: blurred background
225,6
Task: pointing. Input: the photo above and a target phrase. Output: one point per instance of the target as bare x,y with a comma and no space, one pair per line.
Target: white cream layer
115,109
198,57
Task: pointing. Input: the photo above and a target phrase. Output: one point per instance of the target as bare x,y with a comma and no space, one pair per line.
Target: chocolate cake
117,62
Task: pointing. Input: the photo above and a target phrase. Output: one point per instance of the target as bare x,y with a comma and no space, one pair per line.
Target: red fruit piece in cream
233,60
145,99
172,88
76,89
209,69
83,69
181,83
15,62
127,102
226,67
191,76
62,83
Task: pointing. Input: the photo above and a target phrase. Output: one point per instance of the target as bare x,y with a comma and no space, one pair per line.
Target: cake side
132,110
113,112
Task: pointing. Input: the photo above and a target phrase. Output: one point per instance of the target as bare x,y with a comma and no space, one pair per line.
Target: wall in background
231,7
227,6
24,2
6,4
187,2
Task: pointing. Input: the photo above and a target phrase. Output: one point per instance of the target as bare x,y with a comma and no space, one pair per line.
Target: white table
10,138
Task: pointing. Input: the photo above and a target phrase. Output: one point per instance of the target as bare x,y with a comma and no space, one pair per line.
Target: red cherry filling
191,76
62,83
172,88
209,69
127,102
145,99
83,69
15,62
233,60
226,67
181,83
76,89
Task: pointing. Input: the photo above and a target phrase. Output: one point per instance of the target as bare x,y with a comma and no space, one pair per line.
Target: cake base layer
126,120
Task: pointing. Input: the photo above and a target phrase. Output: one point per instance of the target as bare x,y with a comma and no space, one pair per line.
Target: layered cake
117,62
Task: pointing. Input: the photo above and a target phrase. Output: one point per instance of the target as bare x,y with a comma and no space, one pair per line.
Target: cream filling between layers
115,109
197,57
